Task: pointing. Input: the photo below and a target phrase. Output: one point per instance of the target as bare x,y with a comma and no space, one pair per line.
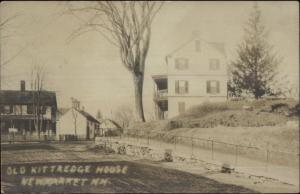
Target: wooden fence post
267,161
212,149
159,139
148,138
236,154
192,146
175,141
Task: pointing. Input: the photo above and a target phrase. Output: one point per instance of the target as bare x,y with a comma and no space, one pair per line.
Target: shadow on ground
140,178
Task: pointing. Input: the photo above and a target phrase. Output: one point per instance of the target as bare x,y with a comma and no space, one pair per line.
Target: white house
109,126
77,122
196,72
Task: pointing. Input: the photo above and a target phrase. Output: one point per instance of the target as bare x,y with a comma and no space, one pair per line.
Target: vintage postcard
149,96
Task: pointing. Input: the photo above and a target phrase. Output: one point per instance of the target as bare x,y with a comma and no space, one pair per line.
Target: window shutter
186,87
208,87
218,86
177,87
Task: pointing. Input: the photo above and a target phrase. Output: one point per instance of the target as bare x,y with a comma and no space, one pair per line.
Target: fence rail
217,149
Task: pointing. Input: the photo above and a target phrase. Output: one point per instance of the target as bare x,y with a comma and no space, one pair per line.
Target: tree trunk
138,80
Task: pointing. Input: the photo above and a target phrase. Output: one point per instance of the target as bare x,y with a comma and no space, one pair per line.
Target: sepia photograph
149,96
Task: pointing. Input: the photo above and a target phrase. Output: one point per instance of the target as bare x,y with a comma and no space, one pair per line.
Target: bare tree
37,86
123,115
99,115
4,35
284,88
75,107
126,25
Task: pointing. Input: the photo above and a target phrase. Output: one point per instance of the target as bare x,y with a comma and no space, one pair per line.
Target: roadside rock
249,108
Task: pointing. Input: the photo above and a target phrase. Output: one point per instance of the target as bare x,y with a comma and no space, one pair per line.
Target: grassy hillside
255,113
263,123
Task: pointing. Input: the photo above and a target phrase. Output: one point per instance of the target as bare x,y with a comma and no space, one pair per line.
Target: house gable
195,57
66,124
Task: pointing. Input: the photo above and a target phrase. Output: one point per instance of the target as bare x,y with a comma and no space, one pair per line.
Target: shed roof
111,121
88,116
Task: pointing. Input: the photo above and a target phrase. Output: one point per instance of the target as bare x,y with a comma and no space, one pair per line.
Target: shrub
210,107
112,132
173,124
168,155
122,150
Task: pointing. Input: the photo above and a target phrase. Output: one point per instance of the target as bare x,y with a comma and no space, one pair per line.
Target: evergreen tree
254,70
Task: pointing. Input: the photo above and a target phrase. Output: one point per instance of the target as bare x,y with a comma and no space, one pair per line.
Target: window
24,109
214,64
30,109
7,109
181,63
43,109
197,46
181,87
181,107
213,87
18,109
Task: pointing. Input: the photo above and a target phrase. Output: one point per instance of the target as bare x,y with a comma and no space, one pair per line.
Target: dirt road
140,176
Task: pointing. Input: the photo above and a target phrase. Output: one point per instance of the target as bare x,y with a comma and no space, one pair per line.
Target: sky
89,67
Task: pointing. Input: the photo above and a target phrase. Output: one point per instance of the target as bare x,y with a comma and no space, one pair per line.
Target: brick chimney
75,104
22,86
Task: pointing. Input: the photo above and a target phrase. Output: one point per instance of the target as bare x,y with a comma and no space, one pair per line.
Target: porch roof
20,117
12,97
157,77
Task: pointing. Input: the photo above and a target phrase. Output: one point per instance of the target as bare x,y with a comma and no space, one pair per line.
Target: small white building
109,127
77,122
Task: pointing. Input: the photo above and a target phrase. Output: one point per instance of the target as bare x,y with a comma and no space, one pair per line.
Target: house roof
47,98
112,121
88,116
61,111
216,45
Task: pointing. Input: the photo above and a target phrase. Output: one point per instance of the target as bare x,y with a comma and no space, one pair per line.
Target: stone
249,108
227,168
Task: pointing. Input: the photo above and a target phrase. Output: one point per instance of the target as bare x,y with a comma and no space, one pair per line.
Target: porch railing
161,94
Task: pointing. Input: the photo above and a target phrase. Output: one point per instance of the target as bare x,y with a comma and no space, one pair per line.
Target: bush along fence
235,154
15,137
